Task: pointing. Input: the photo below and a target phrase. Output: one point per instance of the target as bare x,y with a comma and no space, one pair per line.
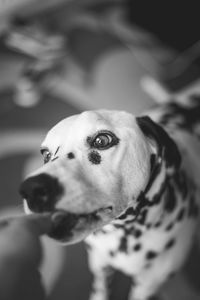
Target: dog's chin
70,228
67,227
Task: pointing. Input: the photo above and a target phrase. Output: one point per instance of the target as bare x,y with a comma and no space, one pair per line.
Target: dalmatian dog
126,185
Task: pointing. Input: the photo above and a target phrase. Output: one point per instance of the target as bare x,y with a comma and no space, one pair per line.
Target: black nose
41,192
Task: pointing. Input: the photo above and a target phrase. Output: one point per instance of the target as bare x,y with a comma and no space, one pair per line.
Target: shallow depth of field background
108,50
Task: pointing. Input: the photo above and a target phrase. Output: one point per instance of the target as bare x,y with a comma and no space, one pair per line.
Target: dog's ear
165,145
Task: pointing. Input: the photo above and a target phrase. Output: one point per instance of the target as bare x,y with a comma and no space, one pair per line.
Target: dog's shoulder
180,118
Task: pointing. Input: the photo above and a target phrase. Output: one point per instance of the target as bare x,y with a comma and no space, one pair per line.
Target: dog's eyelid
112,139
44,149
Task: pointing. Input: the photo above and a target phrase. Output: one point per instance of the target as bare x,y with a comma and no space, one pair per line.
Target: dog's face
96,164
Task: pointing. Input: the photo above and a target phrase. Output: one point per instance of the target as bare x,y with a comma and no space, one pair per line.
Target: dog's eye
102,141
46,155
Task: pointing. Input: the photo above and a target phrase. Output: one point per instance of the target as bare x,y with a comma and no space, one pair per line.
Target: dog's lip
63,221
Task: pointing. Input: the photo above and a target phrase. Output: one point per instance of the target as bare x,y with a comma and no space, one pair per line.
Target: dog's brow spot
70,155
94,157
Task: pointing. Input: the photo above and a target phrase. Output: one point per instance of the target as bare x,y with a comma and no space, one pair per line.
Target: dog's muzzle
42,192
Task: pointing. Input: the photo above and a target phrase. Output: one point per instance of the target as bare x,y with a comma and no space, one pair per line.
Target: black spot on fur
137,247
157,224
189,115
170,244
94,157
181,214
112,253
130,220
158,196
193,208
123,216
118,225
141,219
129,212
70,155
123,246
142,202
151,254
170,199
180,180
137,233
169,226
152,161
166,146
148,225
154,173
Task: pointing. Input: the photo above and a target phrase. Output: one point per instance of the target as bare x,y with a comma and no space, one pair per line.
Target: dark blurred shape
120,286
176,23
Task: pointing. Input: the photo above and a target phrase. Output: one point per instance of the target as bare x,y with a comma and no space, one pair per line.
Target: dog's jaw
70,228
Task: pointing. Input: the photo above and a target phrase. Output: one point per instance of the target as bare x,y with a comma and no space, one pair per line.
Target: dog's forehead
87,123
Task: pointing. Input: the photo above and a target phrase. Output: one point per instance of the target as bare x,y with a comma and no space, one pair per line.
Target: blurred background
60,57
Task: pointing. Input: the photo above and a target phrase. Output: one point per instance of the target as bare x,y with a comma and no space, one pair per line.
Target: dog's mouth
64,223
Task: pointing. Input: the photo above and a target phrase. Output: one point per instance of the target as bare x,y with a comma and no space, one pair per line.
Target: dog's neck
155,200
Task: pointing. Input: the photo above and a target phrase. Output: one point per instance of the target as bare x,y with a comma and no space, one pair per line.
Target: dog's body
123,184
152,247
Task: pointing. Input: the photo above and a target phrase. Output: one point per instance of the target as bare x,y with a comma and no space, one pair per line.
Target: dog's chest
137,249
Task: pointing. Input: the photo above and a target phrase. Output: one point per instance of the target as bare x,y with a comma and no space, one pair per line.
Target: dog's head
96,165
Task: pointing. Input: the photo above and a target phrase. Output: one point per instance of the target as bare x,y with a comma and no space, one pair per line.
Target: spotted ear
167,148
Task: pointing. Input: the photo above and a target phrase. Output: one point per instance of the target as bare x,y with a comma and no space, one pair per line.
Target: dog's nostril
41,192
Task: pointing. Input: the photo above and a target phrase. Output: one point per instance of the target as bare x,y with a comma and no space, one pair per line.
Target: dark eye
46,155
103,141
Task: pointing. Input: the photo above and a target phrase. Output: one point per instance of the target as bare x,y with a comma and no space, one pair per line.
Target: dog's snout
41,192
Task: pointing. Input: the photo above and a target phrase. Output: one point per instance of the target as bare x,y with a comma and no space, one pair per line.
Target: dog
128,186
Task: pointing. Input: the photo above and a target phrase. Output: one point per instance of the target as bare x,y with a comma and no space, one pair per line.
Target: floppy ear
167,148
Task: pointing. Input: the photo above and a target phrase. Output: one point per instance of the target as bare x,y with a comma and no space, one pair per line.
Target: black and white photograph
99,150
